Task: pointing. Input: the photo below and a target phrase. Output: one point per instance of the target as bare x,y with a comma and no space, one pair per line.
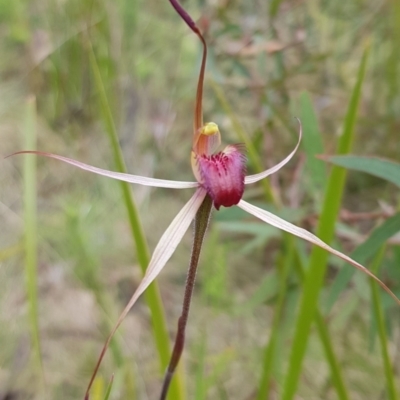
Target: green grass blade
152,294
392,393
274,7
323,332
326,227
315,147
312,143
361,254
335,369
30,225
200,390
270,350
385,169
391,72
98,388
109,387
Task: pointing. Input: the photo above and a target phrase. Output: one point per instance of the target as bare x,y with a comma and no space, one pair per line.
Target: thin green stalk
323,332
274,7
269,355
152,294
200,390
30,224
326,228
292,257
380,321
280,67
362,254
312,145
109,387
337,376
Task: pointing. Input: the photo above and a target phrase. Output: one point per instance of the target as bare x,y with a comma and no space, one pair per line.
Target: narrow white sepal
257,177
280,223
141,180
164,249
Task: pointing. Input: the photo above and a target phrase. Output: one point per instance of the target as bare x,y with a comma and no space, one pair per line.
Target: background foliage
269,61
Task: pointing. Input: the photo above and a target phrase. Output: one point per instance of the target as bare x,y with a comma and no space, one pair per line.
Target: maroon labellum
222,175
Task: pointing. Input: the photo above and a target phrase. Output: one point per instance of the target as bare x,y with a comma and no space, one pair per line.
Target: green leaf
385,169
109,387
362,253
274,7
326,228
30,231
312,142
152,294
383,337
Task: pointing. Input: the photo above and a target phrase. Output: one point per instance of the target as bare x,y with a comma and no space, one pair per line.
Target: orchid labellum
220,182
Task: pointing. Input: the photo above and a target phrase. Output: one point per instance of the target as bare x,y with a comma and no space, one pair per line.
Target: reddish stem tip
185,16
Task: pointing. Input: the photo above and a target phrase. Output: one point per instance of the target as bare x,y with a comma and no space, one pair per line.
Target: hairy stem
200,227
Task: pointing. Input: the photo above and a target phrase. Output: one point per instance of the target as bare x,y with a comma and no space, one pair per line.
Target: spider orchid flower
220,175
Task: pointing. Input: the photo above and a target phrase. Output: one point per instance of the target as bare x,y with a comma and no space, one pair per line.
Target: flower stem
200,227
198,113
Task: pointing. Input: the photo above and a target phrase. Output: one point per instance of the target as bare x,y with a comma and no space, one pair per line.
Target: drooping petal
222,175
257,177
303,234
141,180
162,253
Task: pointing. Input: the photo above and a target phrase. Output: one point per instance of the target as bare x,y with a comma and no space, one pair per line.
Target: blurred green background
268,62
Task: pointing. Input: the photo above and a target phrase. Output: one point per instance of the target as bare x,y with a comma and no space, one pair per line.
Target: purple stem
198,114
185,16
200,227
